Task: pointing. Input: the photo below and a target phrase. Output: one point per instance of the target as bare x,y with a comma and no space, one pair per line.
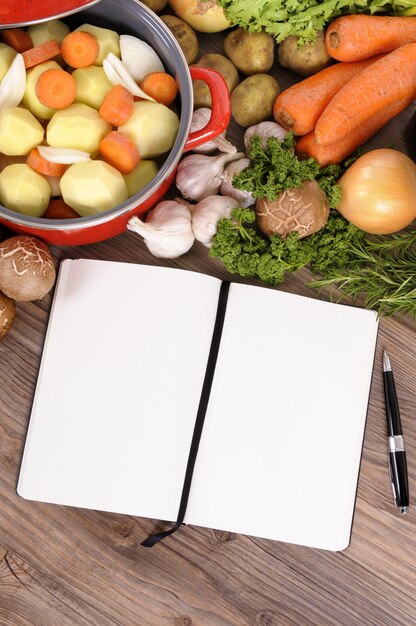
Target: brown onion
378,192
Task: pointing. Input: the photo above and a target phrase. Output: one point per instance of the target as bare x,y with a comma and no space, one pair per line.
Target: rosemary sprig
382,271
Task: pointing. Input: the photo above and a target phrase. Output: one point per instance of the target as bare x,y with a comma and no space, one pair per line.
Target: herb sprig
381,269
276,168
246,252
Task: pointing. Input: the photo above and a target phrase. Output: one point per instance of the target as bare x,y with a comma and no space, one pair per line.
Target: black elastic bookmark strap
200,417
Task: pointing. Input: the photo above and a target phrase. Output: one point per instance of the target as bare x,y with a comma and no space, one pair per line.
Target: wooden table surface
66,566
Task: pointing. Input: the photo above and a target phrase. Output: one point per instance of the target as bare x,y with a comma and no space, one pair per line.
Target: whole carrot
356,37
384,83
299,107
334,153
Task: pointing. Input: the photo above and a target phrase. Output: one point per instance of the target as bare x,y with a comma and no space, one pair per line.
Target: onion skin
205,16
378,192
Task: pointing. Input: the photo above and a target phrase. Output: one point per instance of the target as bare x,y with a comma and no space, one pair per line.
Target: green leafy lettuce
303,18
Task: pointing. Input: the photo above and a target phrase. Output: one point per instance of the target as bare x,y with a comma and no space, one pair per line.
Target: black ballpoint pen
397,453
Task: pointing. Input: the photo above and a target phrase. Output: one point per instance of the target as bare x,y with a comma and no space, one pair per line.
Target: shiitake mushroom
304,210
7,314
27,270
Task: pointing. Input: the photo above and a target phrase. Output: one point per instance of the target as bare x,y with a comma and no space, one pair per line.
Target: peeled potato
153,128
92,85
24,190
140,176
30,99
20,131
7,55
92,187
108,41
52,29
78,127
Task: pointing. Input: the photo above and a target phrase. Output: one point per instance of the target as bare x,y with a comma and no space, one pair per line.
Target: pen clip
392,485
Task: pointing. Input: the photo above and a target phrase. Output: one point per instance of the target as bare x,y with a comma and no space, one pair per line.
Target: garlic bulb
206,215
264,130
167,230
244,198
200,118
199,176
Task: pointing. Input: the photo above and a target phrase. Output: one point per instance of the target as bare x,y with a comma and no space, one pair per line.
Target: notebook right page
281,447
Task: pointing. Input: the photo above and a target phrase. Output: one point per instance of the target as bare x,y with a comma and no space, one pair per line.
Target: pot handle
220,111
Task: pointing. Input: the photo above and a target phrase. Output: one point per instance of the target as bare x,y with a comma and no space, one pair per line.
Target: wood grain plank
67,566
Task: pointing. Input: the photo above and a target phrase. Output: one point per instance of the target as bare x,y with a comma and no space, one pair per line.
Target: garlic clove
200,118
244,198
138,57
118,74
13,85
264,130
167,231
199,175
206,215
63,155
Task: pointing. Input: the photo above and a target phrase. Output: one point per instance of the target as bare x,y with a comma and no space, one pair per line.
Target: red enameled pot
134,18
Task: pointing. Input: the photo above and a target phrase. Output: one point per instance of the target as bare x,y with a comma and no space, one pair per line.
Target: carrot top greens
303,18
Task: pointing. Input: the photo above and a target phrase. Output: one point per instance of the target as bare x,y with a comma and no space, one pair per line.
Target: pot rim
52,16
167,168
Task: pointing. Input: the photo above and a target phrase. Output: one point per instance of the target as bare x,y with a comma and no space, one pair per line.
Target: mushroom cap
7,314
27,271
304,210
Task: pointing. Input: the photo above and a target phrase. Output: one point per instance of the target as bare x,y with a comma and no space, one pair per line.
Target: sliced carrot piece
56,89
117,106
119,151
160,86
80,49
41,165
17,38
44,52
59,210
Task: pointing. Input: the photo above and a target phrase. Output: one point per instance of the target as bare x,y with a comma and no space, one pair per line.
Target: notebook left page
118,387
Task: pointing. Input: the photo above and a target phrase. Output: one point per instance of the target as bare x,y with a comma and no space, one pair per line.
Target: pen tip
404,509
386,362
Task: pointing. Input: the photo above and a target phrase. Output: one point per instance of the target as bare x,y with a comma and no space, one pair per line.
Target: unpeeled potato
184,35
252,100
251,53
155,5
225,67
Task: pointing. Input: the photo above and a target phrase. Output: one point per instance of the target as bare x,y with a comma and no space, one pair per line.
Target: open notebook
118,391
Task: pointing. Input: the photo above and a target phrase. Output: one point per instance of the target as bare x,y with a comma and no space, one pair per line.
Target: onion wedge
13,85
138,57
65,156
118,74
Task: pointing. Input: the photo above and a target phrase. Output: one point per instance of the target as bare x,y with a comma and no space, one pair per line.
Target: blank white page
119,387
282,440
